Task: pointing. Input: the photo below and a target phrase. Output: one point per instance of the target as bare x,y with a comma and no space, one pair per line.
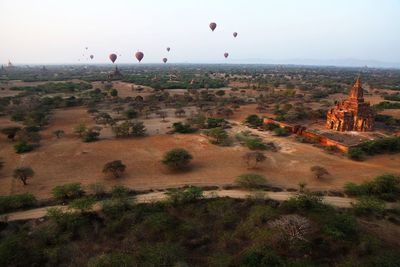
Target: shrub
251,181
120,191
182,196
342,227
160,254
91,136
254,120
255,144
116,168
379,146
281,132
83,204
138,129
304,202
385,187
23,147
67,191
368,206
177,158
253,158
270,126
97,189
215,122
356,153
179,127
16,202
111,260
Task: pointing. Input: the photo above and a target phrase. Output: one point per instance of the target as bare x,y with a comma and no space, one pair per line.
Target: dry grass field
68,159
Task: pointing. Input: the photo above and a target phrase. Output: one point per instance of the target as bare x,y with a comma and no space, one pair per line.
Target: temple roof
356,91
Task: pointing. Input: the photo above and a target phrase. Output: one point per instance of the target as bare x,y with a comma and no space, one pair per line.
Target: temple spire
357,91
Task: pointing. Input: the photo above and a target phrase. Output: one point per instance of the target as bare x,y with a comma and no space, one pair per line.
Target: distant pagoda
116,74
352,114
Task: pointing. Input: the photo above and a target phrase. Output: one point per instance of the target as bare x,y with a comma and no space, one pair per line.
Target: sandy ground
68,159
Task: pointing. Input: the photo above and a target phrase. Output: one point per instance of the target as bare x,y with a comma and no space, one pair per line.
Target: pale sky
57,31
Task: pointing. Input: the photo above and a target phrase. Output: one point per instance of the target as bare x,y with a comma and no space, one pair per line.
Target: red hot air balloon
165,60
168,49
235,34
139,56
226,55
213,25
113,57
91,56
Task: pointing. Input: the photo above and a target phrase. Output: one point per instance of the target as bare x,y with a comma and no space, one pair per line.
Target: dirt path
339,202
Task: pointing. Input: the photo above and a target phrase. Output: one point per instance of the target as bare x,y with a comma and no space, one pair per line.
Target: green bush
281,132
368,206
177,158
385,187
83,204
305,202
182,196
113,259
342,227
161,254
356,153
255,144
23,147
379,146
67,191
254,120
270,126
251,181
215,122
17,202
180,127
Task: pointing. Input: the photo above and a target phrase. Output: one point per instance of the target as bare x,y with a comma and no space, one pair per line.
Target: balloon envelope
165,60
226,55
213,25
168,49
139,56
235,34
113,57
91,56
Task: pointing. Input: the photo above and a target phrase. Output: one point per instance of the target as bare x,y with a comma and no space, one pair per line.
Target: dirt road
340,202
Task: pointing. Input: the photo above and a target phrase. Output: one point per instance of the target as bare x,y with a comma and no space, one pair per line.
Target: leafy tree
122,130
251,180
23,147
116,168
253,158
67,191
319,171
177,158
23,174
218,135
254,120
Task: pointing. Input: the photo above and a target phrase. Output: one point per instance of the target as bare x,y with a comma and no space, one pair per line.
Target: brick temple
352,114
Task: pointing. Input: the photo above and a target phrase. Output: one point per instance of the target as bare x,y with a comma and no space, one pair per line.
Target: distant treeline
67,87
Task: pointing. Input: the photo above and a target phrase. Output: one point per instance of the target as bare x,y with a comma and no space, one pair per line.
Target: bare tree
253,158
319,171
292,227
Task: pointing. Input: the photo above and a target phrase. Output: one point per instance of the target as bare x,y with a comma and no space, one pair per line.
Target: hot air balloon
86,48
139,56
213,25
91,56
168,49
113,57
235,34
165,60
226,55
